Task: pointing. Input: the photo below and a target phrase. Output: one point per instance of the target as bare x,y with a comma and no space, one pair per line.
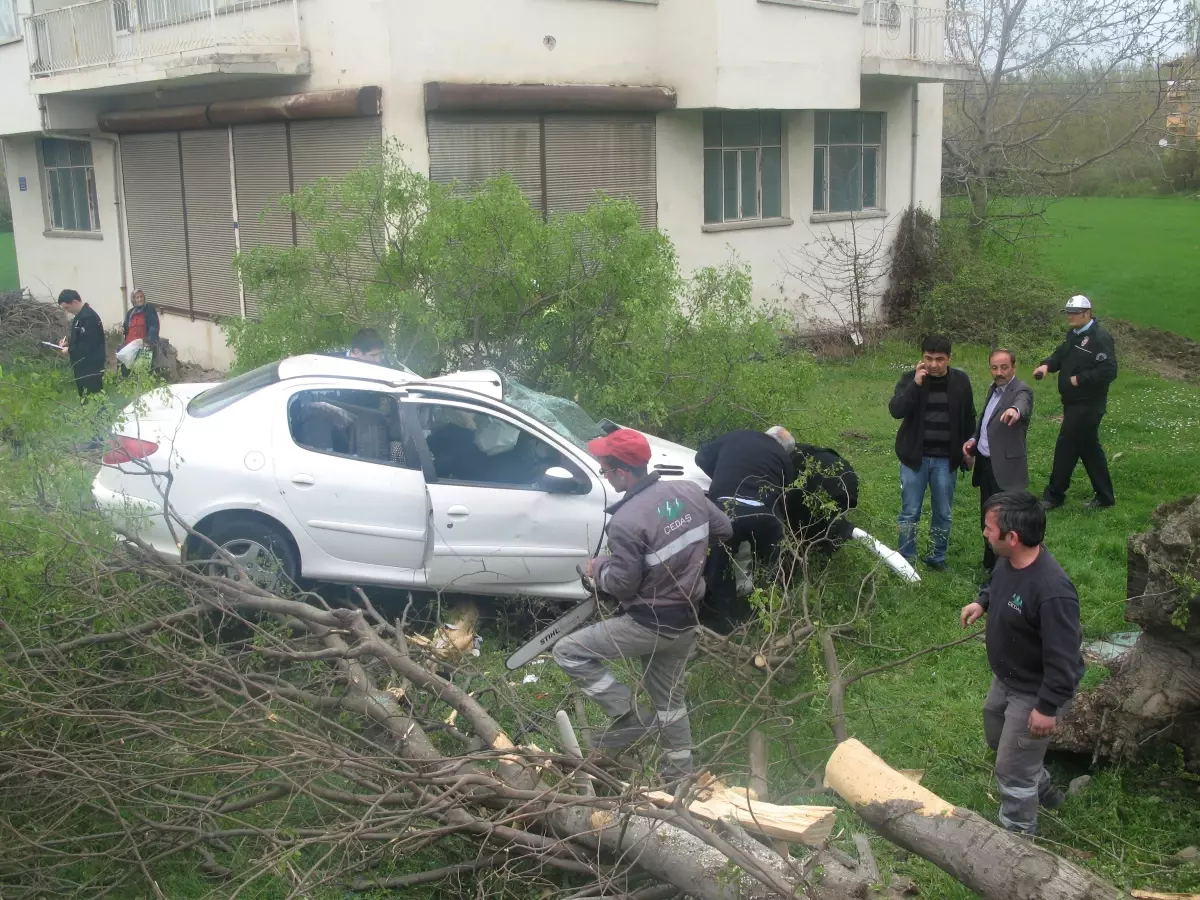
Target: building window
10,25
70,181
848,161
743,166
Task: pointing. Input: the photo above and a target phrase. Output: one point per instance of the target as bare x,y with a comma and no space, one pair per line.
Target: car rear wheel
263,550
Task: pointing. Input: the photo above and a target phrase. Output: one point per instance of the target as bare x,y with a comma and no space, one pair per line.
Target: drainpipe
912,179
118,198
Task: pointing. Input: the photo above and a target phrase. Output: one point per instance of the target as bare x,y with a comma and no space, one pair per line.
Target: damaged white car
340,470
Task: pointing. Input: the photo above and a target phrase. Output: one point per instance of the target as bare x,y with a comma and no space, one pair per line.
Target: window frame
414,404
740,149
52,176
18,32
824,148
412,456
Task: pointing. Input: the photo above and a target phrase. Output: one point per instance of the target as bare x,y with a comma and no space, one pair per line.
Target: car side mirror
559,480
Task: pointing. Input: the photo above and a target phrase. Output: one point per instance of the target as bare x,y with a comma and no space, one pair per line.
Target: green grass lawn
8,262
925,715
1137,259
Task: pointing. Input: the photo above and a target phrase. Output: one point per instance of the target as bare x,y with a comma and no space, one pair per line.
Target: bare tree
1042,64
835,277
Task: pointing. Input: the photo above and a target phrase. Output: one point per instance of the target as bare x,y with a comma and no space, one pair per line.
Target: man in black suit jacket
997,450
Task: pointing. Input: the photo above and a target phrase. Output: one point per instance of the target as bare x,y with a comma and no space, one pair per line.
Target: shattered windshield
565,416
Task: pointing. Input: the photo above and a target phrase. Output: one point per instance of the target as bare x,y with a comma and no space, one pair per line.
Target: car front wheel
262,550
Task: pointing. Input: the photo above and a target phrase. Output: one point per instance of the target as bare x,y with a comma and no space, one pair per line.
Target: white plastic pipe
890,557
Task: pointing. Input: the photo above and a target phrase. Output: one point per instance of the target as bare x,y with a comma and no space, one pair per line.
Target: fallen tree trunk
1153,693
997,864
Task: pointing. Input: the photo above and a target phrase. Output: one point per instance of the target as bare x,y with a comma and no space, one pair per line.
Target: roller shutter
208,196
261,166
609,155
470,149
332,148
154,218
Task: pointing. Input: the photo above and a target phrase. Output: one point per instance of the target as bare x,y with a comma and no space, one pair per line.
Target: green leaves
586,305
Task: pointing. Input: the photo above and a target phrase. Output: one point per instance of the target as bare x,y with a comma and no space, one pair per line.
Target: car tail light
126,449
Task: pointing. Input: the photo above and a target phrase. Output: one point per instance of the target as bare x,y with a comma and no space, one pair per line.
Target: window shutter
471,149
332,148
154,217
261,166
209,200
611,155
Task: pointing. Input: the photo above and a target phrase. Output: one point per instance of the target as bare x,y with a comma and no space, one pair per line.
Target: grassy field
926,715
1137,259
1132,818
8,262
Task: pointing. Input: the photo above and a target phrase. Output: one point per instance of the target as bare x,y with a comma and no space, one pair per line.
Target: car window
479,448
218,397
363,425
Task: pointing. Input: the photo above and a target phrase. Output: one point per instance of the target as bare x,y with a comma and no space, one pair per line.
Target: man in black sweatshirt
936,409
1033,637
1086,363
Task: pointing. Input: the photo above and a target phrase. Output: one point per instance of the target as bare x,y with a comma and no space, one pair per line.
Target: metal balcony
144,41
915,43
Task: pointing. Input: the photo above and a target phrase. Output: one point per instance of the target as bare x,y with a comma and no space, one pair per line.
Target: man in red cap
658,537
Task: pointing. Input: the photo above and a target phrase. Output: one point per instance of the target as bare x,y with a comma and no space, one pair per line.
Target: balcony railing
893,30
109,32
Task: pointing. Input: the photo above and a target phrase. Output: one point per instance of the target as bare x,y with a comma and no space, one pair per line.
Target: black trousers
89,383
764,530
1079,439
985,477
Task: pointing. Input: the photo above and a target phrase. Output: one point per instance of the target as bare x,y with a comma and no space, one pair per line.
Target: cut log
1158,895
809,825
989,860
759,789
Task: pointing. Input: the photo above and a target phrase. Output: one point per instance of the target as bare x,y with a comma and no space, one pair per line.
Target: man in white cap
1086,363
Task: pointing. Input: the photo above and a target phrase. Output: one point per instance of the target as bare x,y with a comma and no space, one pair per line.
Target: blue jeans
936,474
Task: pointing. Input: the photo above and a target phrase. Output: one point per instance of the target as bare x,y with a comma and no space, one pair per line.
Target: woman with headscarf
141,322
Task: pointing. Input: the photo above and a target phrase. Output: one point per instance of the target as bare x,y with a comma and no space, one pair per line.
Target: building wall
773,252
735,54
49,262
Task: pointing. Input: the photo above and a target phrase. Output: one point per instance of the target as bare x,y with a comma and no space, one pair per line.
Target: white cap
1078,303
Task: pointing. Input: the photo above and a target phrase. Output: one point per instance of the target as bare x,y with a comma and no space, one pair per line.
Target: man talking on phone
936,409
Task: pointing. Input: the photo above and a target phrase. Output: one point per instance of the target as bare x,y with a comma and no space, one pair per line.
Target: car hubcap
259,562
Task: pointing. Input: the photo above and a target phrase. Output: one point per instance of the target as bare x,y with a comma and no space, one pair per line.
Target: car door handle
458,512
307,480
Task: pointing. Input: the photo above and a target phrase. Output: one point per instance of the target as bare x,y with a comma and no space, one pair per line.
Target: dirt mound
1170,355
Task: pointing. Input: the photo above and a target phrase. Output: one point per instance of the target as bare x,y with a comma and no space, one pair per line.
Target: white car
341,470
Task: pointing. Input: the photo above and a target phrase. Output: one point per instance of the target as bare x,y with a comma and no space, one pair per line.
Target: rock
1078,785
902,885
856,435
1188,854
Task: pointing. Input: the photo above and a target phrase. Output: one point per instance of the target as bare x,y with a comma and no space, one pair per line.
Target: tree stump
1153,694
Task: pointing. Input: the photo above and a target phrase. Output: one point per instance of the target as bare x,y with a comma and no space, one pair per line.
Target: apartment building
143,139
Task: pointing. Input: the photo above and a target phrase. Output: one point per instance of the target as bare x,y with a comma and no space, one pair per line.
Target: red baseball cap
624,444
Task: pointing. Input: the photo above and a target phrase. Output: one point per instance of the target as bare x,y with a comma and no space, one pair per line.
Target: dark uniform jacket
1092,358
85,343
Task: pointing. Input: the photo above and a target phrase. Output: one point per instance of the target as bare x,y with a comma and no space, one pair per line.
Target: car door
499,526
352,479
